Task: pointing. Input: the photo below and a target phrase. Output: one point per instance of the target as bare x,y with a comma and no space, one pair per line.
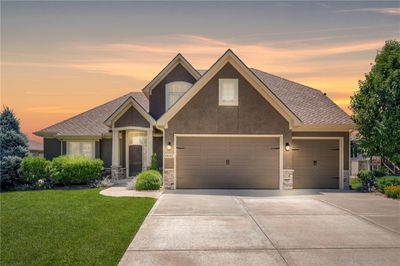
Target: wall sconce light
169,145
287,146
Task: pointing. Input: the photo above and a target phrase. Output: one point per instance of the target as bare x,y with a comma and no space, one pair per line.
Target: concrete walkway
228,227
122,191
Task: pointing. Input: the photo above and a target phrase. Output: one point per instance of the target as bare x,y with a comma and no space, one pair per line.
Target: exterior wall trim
324,128
280,136
341,154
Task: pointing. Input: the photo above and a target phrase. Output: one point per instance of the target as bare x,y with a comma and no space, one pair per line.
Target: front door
135,159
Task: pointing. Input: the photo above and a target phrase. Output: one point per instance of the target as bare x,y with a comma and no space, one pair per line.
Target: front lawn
68,227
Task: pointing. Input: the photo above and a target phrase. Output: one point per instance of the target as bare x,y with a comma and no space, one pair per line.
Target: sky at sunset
59,59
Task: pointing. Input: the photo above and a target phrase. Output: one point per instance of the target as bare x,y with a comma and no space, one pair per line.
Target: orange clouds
46,92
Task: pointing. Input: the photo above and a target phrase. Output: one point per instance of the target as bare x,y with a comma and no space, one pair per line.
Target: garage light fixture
287,146
169,145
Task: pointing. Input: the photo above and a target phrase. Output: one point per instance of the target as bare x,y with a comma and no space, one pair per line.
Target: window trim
168,86
234,102
92,142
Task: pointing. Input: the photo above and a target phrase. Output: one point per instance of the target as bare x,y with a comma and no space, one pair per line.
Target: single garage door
227,162
315,163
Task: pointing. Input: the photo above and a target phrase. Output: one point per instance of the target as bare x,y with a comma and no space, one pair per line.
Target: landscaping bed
68,227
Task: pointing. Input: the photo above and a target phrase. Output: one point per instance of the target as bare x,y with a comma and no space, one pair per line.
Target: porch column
149,146
115,167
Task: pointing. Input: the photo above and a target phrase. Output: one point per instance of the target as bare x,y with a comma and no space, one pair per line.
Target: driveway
242,227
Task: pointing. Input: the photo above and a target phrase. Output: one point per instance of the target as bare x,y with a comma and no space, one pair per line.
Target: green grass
68,227
355,183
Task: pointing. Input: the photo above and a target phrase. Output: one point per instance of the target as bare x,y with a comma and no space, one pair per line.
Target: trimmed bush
367,180
387,181
148,180
154,162
33,169
9,171
379,171
75,170
392,191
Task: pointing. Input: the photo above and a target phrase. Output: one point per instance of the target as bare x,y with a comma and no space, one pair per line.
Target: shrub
154,162
75,170
9,171
392,191
387,181
367,180
379,171
148,180
33,169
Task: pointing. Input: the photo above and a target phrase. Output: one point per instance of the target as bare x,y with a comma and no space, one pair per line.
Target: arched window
174,91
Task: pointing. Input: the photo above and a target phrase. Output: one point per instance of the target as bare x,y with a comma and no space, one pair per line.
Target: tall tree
13,147
376,106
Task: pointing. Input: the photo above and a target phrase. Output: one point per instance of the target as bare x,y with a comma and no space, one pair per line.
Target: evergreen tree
13,147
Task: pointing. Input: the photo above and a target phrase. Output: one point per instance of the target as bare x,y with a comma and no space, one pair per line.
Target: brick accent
168,179
346,179
288,179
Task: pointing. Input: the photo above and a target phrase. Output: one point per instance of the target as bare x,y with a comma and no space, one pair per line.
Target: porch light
169,145
287,146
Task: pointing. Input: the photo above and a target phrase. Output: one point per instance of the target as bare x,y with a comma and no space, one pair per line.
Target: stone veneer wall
288,178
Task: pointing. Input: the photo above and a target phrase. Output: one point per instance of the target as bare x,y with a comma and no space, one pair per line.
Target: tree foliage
13,147
376,106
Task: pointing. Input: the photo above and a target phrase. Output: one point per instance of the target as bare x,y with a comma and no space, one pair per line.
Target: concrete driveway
242,227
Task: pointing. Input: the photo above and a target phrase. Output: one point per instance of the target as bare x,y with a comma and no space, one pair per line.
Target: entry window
174,91
83,148
229,92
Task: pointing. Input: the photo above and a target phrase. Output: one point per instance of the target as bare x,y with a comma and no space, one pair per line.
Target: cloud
385,10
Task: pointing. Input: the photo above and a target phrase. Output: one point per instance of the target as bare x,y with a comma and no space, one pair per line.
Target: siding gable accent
130,112
178,59
230,57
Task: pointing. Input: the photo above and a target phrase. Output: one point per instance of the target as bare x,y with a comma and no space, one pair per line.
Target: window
85,148
228,92
174,91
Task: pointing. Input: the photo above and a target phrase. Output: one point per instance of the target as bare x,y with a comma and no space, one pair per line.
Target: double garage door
227,162
253,162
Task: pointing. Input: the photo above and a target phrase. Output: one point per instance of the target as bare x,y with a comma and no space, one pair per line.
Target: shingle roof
91,122
311,106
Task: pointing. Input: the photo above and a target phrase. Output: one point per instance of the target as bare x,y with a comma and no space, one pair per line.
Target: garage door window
83,148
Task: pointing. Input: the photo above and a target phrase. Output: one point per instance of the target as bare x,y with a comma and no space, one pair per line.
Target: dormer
169,85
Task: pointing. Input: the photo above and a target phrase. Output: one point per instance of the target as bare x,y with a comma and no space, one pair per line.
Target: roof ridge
94,108
287,80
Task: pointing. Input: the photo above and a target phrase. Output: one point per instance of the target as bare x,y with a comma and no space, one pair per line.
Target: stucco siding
132,118
157,96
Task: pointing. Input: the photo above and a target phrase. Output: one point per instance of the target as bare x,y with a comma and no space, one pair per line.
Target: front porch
132,149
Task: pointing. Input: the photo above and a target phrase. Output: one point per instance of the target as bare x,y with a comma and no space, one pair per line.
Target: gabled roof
130,102
178,59
311,106
230,57
91,122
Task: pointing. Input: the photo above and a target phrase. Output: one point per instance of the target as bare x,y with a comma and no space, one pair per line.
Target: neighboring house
228,127
35,148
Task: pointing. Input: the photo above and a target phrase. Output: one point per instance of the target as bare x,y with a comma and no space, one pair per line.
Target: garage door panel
227,162
316,163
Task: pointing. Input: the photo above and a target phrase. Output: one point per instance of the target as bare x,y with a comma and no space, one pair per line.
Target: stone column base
288,179
117,172
346,179
168,179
